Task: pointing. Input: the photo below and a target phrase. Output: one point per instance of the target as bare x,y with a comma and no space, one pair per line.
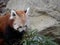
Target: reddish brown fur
22,16
4,21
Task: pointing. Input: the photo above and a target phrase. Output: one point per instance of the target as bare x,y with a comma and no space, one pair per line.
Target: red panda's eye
25,25
25,11
20,27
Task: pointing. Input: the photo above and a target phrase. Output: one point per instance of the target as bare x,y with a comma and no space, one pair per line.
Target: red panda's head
20,19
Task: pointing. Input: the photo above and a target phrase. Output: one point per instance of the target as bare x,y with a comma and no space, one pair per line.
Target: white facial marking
15,26
21,29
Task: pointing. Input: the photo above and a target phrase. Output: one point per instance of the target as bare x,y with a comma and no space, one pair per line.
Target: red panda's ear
13,14
25,11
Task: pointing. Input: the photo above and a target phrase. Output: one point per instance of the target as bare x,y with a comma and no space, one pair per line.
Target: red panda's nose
19,27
